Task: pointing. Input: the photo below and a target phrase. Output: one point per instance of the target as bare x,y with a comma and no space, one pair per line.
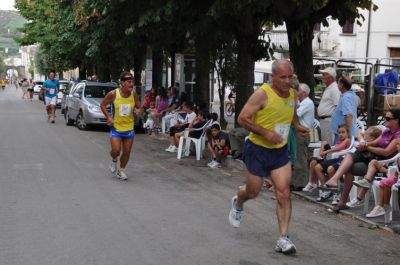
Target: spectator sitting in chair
197,123
173,104
180,127
219,146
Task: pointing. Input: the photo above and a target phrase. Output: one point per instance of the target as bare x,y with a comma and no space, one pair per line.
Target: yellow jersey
276,116
122,112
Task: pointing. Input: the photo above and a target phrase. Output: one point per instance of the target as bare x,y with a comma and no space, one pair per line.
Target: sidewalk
235,165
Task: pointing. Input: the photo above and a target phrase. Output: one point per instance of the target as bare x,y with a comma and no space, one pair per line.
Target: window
97,91
348,28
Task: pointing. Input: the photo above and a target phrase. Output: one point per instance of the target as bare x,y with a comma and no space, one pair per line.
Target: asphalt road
59,205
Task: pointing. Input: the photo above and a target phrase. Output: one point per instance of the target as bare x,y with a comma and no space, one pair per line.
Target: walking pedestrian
123,102
268,114
50,89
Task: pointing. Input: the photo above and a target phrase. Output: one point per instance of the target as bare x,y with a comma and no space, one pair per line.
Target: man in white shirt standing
305,112
328,102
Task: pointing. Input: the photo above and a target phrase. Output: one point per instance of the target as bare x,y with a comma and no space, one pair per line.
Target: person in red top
150,96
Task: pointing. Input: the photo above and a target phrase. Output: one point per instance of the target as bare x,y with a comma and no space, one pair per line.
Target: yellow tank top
122,111
276,116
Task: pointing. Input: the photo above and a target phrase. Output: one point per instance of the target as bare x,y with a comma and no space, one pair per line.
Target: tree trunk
301,54
203,67
138,61
157,68
247,38
172,54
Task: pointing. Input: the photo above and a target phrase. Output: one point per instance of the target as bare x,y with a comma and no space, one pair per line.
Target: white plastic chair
360,125
394,202
199,142
172,122
314,136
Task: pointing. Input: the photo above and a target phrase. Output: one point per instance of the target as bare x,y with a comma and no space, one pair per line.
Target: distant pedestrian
268,114
123,102
30,89
50,90
24,87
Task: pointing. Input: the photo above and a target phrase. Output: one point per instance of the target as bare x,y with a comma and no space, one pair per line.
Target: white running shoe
310,187
169,148
363,183
113,167
355,203
234,214
212,162
121,175
215,164
173,149
336,198
377,211
285,246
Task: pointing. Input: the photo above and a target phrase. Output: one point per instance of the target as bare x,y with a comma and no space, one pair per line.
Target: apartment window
317,27
395,54
348,28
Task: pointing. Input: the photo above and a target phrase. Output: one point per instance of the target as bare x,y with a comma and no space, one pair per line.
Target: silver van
83,106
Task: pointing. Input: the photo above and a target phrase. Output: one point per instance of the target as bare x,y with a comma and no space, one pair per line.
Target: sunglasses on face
389,118
127,78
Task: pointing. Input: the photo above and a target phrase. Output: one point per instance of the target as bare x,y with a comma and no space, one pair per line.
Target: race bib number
52,91
124,110
282,130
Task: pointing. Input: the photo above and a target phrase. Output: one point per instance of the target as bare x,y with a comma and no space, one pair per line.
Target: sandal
329,188
339,208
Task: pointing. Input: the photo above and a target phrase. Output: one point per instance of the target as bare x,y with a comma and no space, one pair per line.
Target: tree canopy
106,36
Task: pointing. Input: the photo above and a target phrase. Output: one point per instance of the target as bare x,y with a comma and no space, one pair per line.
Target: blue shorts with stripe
127,134
260,161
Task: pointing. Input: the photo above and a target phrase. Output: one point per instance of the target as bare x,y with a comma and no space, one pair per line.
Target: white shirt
329,100
306,113
190,117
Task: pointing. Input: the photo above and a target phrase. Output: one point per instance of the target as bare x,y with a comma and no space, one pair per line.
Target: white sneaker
113,166
310,187
377,211
234,214
285,246
121,175
173,149
212,162
363,183
169,148
215,164
355,203
336,198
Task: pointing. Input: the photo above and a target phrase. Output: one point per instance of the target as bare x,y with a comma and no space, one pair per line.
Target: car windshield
63,86
97,91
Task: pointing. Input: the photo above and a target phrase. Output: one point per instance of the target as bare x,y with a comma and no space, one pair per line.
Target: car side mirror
76,95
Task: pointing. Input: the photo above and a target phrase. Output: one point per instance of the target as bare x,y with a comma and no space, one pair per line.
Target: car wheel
68,121
80,121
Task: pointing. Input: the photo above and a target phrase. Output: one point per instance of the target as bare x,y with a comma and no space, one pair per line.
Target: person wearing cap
346,110
268,115
123,102
329,100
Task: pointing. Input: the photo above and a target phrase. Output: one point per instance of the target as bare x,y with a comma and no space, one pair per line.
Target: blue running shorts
126,134
260,161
